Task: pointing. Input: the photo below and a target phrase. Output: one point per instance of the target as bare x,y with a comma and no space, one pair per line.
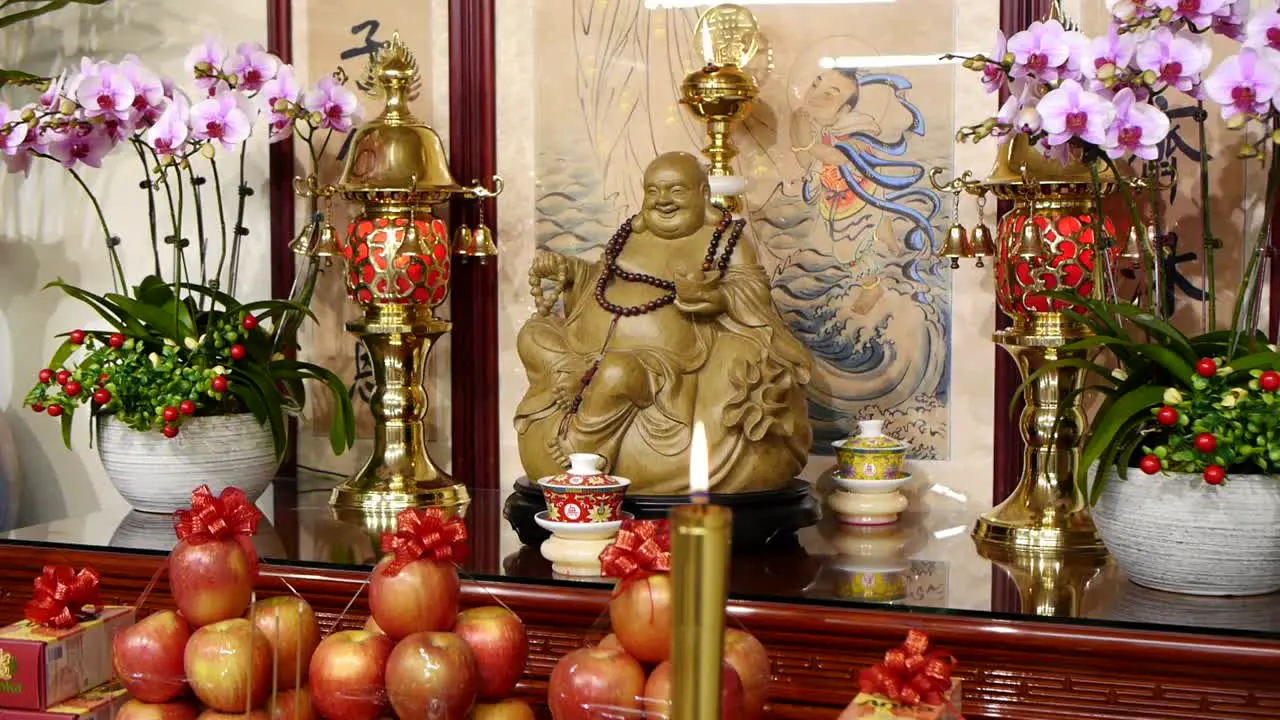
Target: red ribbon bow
642,548
909,674
230,515
64,597
428,533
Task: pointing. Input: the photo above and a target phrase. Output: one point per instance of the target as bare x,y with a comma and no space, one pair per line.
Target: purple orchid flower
338,106
171,130
283,87
1177,60
1114,49
1040,51
82,145
993,75
51,98
1070,111
253,67
1127,11
1230,20
1244,84
13,130
1197,13
1139,128
149,92
107,93
221,118
1263,31
204,62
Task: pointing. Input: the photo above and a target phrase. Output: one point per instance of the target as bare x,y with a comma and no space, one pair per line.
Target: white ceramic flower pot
156,474
1174,532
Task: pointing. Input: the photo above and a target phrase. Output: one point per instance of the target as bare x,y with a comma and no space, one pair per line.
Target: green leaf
167,323
1169,360
62,353
342,432
153,291
66,427
263,400
1258,361
276,308
1118,413
20,78
1116,452
223,299
113,314
1172,337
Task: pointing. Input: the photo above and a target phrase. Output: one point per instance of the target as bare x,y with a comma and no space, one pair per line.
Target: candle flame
699,461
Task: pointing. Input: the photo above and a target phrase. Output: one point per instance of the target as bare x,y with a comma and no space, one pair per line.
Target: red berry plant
179,344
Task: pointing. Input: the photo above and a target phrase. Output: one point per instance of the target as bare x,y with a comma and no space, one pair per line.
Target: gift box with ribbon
911,682
100,703
63,647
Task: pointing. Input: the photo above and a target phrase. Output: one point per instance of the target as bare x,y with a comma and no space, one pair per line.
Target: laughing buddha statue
673,325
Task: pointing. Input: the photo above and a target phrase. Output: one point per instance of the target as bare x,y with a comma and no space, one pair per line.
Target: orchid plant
1174,403
180,344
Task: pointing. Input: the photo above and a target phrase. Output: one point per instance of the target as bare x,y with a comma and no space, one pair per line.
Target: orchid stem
118,284
238,231
151,205
222,219
1210,242
1251,288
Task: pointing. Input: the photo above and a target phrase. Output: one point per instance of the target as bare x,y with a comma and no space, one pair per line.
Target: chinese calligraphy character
1174,144
371,45
363,384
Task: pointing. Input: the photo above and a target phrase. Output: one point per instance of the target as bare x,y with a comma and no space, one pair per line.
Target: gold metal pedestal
1046,512
399,473
1052,584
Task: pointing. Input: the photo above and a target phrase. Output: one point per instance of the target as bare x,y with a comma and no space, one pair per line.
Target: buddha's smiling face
675,196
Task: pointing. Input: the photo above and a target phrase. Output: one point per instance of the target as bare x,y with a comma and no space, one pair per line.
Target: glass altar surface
924,564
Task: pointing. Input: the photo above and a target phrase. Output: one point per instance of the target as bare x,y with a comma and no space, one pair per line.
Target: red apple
138,710
640,614
432,675
291,627
291,705
610,642
147,657
422,597
211,581
347,675
590,679
745,653
251,715
228,665
657,693
505,710
500,645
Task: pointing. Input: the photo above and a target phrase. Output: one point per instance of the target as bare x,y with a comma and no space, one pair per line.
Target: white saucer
580,531
870,487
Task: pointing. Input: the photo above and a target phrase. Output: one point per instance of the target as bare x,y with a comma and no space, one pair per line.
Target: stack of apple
418,656
629,671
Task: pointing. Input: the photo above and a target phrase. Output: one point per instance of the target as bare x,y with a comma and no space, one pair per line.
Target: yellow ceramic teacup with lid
871,455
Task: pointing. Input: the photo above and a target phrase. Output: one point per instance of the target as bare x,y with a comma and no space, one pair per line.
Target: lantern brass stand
1039,247
397,267
721,93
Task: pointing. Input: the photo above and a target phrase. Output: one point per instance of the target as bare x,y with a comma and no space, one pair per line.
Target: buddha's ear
714,213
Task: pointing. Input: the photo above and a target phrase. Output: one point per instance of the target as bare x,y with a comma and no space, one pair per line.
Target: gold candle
700,546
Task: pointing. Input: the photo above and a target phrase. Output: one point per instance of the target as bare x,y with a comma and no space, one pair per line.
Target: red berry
102,396
1150,465
37,407
72,388
170,431
103,379
1269,380
219,384
46,376
1215,475
116,340
237,352
55,410
1207,367
250,322
170,414
1206,442
186,407
77,337
63,376
1167,416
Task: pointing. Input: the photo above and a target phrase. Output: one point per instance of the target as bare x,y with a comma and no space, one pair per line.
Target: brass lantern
397,267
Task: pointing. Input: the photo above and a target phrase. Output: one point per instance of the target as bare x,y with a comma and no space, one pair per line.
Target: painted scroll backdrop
847,229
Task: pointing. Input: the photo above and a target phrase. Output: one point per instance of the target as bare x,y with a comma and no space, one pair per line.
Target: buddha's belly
664,329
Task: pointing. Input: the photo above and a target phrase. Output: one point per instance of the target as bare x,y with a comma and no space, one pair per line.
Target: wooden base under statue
759,518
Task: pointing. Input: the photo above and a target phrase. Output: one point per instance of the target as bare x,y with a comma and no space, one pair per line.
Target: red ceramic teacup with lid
585,493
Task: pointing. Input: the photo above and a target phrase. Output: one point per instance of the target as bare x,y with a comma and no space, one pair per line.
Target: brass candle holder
701,542
722,93
397,267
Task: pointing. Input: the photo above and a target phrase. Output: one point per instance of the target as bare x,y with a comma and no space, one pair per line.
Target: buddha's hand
550,266
698,292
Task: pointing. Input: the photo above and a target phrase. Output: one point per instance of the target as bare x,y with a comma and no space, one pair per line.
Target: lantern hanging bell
307,239
411,241
464,241
483,245
327,245
1031,244
954,246
983,244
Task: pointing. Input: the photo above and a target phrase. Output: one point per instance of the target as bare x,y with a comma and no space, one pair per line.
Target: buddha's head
676,194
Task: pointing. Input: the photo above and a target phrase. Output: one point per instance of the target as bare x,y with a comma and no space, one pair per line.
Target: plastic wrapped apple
147,657
138,710
498,641
657,693
292,704
415,587
640,609
591,683
213,567
748,657
432,676
290,625
228,665
348,675
505,710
